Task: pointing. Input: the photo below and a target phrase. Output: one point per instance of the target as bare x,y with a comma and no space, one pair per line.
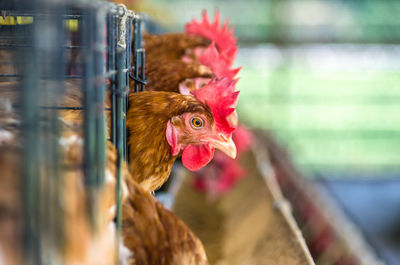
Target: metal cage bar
99,24
112,38
137,72
31,174
129,37
120,102
93,41
40,131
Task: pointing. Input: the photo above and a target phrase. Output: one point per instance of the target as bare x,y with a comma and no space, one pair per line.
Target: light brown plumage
164,66
72,240
155,235
166,75
80,243
171,46
11,221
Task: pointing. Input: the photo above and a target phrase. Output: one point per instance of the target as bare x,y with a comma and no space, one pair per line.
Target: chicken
72,241
150,233
197,36
80,243
169,115
152,152
162,124
202,52
183,63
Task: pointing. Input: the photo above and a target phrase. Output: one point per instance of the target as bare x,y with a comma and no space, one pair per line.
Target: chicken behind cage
205,50
71,240
188,126
151,234
81,245
155,235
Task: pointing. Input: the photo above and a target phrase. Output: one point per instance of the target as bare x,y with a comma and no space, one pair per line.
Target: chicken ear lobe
195,157
172,139
184,89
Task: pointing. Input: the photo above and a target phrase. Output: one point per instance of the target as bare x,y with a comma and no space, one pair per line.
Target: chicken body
155,235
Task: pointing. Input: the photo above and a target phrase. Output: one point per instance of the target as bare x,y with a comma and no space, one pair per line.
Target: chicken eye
196,123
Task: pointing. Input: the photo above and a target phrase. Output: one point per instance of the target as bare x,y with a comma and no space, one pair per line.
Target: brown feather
11,221
166,75
155,235
79,241
164,66
171,46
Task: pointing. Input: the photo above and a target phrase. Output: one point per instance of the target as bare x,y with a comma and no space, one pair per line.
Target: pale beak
223,144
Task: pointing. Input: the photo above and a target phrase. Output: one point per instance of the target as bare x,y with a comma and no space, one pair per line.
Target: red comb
217,62
223,37
221,97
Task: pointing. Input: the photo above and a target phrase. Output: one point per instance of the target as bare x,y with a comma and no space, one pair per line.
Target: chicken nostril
224,138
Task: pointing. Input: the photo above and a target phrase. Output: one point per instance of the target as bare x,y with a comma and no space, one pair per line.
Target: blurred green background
323,76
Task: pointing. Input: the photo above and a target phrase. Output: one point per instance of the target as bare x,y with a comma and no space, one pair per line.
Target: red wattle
195,157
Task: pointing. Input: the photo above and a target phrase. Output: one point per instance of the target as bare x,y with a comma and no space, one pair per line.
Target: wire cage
47,50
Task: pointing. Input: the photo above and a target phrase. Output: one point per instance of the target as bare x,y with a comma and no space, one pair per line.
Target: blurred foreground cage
45,49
